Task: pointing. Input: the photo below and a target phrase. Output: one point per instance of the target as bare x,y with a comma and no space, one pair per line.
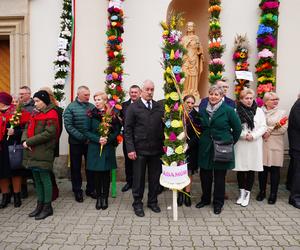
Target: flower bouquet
104,127
283,121
16,118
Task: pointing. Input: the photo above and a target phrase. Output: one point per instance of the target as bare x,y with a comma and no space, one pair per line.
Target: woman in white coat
249,148
273,146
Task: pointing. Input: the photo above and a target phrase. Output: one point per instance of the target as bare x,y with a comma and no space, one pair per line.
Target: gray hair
269,95
82,88
26,88
216,88
146,82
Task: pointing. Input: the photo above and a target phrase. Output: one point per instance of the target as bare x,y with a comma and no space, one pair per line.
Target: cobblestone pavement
80,226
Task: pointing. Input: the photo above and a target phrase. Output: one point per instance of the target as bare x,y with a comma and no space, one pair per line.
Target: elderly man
294,144
134,94
144,144
75,119
223,84
25,98
28,104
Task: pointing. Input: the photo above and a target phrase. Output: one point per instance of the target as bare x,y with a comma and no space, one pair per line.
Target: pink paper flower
172,136
265,53
176,106
112,103
178,77
270,5
259,102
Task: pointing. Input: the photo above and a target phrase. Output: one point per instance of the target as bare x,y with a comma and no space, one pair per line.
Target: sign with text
244,75
174,177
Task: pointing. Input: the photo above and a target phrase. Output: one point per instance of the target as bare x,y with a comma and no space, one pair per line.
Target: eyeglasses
275,99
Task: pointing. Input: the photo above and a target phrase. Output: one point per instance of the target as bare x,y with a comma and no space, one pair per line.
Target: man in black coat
134,94
144,132
294,144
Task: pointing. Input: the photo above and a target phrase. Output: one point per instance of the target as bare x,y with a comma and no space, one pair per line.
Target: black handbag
15,153
223,151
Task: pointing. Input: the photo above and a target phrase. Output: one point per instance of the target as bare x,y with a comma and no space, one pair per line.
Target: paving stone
80,226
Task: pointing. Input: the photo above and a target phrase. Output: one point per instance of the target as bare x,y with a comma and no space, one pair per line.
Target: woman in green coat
218,122
39,140
101,157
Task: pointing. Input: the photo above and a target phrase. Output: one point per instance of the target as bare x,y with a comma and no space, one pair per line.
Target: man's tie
149,105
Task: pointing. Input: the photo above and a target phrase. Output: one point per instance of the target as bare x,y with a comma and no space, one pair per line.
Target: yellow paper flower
167,96
167,108
164,25
165,163
180,108
176,124
174,96
169,79
179,150
172,54
166,136
168,70
113,23
166,32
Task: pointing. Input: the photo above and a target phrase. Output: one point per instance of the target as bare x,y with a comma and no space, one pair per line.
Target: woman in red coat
10,135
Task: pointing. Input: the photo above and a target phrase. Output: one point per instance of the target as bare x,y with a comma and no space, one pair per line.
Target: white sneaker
241,197
246,199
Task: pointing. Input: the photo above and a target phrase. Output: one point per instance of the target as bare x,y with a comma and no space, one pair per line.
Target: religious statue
192,61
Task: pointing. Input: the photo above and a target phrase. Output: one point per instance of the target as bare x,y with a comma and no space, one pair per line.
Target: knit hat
43,96
5,98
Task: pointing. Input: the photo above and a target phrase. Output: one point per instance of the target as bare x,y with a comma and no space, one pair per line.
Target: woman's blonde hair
102,94
51,95
245,92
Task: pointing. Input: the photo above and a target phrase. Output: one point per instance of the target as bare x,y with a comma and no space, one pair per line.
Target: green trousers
43,185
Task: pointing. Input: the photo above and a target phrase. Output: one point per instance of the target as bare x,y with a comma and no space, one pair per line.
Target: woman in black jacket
192,122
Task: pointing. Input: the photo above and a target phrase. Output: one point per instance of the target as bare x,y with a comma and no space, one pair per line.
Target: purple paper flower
109,77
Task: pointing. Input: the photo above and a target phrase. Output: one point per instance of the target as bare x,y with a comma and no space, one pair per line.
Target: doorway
4,64
196,11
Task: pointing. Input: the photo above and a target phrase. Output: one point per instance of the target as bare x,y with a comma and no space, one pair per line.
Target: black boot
272,199
24,191
179,199
5,200
104,203
46,211
187,199
99,203
261,196
17,199
37,210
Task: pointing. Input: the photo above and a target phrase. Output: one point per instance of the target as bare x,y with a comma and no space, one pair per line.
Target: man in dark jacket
134,94
75,119
25,98
294,144
144,142
224,85
28,104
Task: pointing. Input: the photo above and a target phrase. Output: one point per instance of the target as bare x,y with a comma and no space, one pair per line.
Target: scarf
212,109
247,114
50,118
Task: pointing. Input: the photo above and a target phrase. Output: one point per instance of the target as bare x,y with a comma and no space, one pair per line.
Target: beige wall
142,42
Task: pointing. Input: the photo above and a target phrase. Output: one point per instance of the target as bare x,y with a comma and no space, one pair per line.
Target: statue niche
192,61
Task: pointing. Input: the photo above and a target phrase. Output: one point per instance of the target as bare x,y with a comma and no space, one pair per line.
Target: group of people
255,134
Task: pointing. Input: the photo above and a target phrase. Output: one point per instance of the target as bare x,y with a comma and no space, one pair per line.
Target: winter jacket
224,126
75,119
43,142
